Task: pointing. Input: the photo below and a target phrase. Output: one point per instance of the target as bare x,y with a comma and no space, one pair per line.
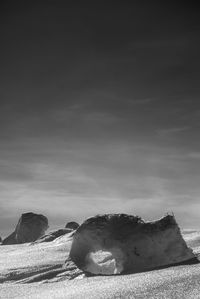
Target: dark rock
119,243
30,227
54,235
73,225
11,239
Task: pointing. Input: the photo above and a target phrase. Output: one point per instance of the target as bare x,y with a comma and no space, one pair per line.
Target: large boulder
119,243
72,225
30,227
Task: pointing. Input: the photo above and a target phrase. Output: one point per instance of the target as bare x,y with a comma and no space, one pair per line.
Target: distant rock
30,227
51,236
73,225
0,239
119,243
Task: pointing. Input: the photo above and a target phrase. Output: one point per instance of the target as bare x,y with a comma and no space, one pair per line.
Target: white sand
20,261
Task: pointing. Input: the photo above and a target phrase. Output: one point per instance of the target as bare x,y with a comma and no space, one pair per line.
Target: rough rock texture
73,225
54,235
120,243
30,227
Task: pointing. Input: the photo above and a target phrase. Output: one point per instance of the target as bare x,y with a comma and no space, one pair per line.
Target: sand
20,263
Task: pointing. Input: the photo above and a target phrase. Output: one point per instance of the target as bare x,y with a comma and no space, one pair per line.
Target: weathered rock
11,239
73,225
120,243
30,227
54,235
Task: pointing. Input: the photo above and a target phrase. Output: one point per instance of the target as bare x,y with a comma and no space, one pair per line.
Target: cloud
172,131
165,42
142,101
194,155
76,178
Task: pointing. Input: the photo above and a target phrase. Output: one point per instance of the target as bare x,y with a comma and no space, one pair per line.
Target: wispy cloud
172,131
177,41
87,178
142,101
194,155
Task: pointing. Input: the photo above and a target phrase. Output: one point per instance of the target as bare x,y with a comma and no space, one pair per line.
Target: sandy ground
19,262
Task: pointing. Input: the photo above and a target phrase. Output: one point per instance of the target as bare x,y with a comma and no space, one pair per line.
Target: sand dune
193,240
36,271
40,270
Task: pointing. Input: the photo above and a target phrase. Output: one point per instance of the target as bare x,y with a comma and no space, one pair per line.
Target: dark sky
99,110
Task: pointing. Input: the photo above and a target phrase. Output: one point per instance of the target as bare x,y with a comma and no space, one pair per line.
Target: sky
99,110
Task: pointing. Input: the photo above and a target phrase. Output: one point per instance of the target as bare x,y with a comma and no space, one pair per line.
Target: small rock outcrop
72,225
119,243
51,236
30,227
